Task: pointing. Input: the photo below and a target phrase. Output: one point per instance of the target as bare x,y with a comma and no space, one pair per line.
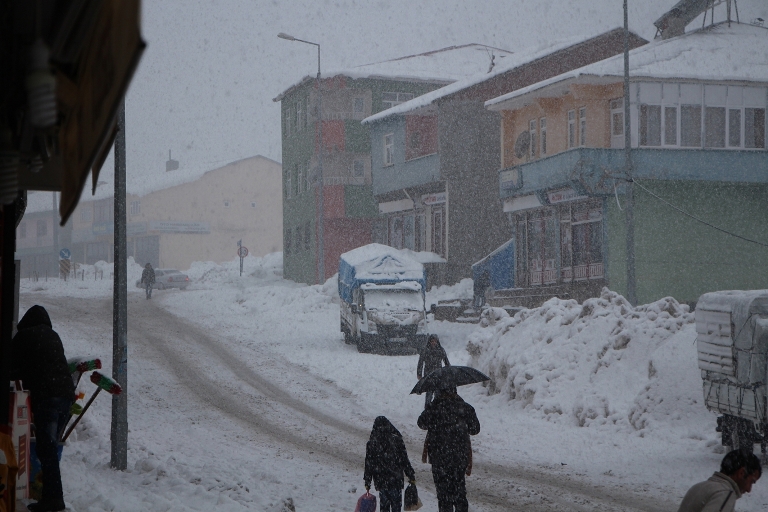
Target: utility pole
630,199
119,432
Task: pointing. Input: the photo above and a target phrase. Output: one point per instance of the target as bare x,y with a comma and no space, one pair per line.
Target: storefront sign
562,195
178,227
136,228
521,203
396,206
437,198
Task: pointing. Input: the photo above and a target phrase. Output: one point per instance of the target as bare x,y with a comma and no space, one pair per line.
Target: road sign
65,254
242,252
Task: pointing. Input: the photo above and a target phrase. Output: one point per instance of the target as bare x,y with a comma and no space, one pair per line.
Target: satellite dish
522,144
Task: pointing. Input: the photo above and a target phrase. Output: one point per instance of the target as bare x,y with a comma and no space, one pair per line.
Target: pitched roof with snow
716,53
445,65
509,64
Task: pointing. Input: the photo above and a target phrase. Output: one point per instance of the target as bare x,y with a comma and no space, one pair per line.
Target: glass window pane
617,123
670,126
650,125
754,128
714,127
734,127
690,126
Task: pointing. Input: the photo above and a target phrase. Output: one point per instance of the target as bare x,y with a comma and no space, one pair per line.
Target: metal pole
119,432
321,200
7,298
55,236
630,199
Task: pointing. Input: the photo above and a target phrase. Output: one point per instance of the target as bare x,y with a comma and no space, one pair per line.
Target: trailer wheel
348,338
363,345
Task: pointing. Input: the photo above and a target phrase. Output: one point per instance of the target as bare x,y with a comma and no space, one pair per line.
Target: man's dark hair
737,459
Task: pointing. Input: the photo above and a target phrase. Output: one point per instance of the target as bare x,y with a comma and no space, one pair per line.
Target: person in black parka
449,421
38,360
386,460
148,278
431,358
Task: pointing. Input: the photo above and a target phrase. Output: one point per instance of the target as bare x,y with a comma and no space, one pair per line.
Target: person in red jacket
38,360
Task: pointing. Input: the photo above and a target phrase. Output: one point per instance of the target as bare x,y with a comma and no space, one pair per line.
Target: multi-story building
435,158
328,204
698,162
191,218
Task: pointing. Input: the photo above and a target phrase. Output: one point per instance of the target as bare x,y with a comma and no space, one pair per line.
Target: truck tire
739,434
348,338
363,345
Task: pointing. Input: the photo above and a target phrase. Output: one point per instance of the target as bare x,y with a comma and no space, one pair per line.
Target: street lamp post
320,181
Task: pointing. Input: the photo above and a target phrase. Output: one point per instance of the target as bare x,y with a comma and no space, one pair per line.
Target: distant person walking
38,360
449,421
148,278
431,358
738,471
386,461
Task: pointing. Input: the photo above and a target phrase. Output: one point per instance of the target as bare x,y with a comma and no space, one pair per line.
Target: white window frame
617,109
288,184
543,135
532,130
135,207
354,168
395,98
389,147
299,115
583,127
571,133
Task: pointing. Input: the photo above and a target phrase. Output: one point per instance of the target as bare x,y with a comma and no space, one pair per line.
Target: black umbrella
448,377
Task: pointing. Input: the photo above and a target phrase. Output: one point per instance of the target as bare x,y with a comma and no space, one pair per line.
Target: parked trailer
732,345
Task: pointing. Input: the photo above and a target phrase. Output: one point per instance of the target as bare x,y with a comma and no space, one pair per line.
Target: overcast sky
205,84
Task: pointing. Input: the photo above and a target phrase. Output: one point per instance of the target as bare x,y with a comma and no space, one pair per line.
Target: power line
698,219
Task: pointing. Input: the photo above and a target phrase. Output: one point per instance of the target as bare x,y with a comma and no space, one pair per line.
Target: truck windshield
390,300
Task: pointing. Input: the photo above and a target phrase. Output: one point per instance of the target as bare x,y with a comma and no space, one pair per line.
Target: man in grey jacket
738,471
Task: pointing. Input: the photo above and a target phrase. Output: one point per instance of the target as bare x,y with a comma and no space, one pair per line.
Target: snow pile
90,281
602,364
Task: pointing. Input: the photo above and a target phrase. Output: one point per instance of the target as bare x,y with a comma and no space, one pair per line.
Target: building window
287,242
135,207
358,106
299,179
617,123
650,125
534,142
307,235
390,99
307,180
670,126
543,135
582,126
389,140
714,127
42,228
571,129
23,230
300,114
754,128
690,126
296,181
288,183
438,230
358,169
396,232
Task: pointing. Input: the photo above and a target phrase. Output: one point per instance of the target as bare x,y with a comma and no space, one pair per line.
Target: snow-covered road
243,396
198,395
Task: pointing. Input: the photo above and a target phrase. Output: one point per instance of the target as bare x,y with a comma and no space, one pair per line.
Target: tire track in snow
301,426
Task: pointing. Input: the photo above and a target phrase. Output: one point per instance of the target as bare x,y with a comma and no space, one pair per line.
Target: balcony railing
592,170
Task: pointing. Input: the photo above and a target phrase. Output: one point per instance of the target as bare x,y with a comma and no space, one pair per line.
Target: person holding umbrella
449,421
431,358
386,460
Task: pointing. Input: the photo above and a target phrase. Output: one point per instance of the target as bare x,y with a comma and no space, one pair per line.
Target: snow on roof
731,300
444,65
376,261
136,185
508,64
718,52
